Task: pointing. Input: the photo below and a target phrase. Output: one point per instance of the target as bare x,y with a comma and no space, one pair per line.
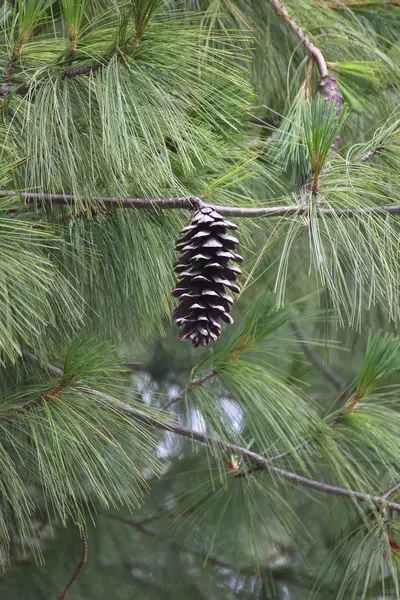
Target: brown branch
190,202
31,406
195,383
370,154
80,566
351,405
212,560
83,70
391,491
374,151
313,50
132,42
262,463
316,360
24,89
153,533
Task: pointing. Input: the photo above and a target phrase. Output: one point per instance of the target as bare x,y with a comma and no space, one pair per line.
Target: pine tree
262,460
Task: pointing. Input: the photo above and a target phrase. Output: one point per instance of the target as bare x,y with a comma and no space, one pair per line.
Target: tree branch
190,202
316,360
82,70
31,406
196,382
153,533
262,463
315,52
80,566
391,491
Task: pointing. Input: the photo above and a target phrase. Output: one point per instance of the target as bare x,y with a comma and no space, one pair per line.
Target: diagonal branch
313,50
80,566
391,491
190,202
316,360
155,534
195,383
262,463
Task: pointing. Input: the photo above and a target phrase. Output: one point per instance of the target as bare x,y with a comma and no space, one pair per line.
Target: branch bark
153,533
262,463
316,360
196,382
80,566
190,202
312,49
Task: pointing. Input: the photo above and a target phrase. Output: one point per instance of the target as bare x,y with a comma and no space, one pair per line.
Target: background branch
316,360
153,533
196,382
80,566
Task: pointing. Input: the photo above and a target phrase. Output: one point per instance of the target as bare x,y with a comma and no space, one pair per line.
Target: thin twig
153,533
316,359
374,151
82,70
391,491
262,463
195,383
315,52
370,154
32,405
80,566
351,405
190,202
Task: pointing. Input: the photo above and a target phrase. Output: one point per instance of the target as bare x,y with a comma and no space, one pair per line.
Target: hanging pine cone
204,275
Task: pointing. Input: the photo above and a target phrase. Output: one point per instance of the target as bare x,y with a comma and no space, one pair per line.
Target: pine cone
204,273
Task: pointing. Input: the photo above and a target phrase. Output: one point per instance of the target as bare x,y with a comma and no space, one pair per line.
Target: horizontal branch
263,464
190,202
82,70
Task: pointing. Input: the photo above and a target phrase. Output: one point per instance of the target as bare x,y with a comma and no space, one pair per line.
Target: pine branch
80,566
352,405
262,464
374,151
31,406
195,383
190,202
391,491
316,360
313,50
83,70
153,533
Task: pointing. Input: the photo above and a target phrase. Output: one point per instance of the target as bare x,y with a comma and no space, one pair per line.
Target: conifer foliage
262,460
